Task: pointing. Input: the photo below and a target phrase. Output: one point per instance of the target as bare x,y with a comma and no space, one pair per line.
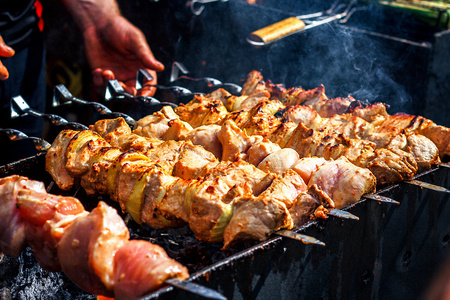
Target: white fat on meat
344,182
279,161
260,149
308,165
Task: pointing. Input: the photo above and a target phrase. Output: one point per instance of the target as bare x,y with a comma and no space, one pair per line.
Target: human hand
116,49
5,51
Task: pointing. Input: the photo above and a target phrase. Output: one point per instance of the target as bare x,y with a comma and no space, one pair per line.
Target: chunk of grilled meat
207,137
118,133
46,219
202,111
343,182
254,78
141,268
12,227
94,181
55,160
299,96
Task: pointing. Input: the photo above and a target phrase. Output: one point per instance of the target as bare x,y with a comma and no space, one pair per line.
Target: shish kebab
217,206
362,142
92,248
339,136
139,145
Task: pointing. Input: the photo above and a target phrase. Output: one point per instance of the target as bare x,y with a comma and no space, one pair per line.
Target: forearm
89,13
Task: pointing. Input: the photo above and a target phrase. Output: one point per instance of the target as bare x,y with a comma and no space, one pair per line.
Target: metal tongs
297,24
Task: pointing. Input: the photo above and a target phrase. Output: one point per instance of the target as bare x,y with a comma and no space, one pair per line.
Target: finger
146,91
145,55
5,50
129,89
97,78
108,75
4,74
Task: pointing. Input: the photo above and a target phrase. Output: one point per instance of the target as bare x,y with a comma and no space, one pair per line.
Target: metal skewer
62,95
16,135
20,108
427,185
342,214
381,199
196,289
309,240
305,239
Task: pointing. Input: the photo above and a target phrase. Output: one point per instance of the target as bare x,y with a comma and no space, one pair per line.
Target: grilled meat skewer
154,197
390,164
260,119
92,248
374,113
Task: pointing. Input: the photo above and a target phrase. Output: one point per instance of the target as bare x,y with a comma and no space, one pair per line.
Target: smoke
347,61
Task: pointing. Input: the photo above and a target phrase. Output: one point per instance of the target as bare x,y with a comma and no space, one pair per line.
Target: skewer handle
16,135
62,95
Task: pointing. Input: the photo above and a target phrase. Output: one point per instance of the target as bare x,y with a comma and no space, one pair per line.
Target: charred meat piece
81,149
392,165
55,160
254,79
117,133
299,96
201,111
328,108
94,181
